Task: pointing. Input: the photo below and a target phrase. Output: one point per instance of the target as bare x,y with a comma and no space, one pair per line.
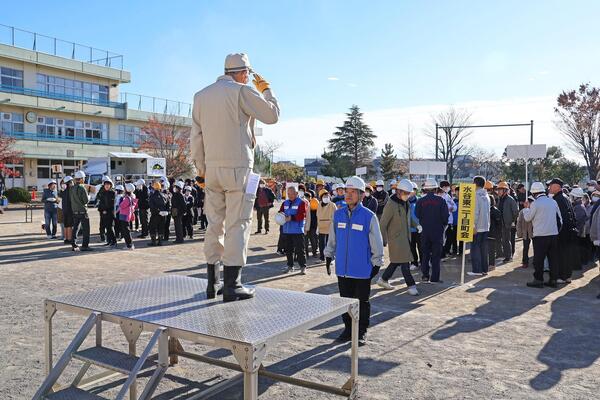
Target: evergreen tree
388,162
353,141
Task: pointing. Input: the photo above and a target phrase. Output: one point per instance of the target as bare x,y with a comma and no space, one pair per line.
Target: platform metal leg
351,386
132,331
250,359
49,311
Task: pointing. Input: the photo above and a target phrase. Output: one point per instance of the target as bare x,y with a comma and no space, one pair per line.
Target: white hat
355,182
577,192
140,182
67,179
188,188
120,187
393,182
379,183
405,185
107,179
537,187
280,218
129,187
79,175
414,185
180,184
430,183
237,62
51,181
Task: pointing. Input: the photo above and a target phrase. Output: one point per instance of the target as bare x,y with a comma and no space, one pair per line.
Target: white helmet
379,183
180,184
140,182
67,179
405,185
129,187
280,218
106,179
355,182
334,187
79,175
51,181
430,183
577,192
393,182
414,185
537,187
188,189
120,187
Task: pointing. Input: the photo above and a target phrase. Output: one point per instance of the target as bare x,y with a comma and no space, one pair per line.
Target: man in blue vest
432,212
356,243
294,209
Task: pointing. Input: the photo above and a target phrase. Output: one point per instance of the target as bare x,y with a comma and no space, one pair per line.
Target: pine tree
388,161
353,140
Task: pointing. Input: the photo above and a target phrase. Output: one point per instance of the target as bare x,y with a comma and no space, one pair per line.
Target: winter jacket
199,197
49,197
189,205
370,202
569,224
127,207
580,218
158,201
413,205
432,212
451,207
324,217
482,211
106,201
65,203
524,228
267,196
142,197
297,211
355,241
545,216
79,199
382,198
395,224
178,206
495,231
509,209
223,119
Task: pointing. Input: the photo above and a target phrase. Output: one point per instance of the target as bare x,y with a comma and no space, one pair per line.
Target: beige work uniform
222,145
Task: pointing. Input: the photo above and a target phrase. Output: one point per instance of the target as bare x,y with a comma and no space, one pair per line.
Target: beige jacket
325,217
395,227
223,119
524,228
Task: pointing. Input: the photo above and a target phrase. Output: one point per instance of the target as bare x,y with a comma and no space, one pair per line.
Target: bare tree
452,140
485,163
408,147
579,123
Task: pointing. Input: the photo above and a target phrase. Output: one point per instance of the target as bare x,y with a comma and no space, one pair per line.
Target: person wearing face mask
339,199
395,227
479,251
263,203
450,232
368,200
510,211
381,196
545,217
567,236
325,212
393,186
50,200
591,187
294,209
106,205
67,211
310,228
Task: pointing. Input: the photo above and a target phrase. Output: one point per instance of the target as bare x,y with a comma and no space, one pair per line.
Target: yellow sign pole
466,220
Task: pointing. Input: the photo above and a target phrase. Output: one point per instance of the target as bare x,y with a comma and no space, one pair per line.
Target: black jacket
569,224
142,198
370,202
199,196
382,198
495,223
158,201
106,200
178,203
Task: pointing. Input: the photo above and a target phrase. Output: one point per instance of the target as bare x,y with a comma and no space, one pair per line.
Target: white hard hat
379,183
537,187
180,184
334,187
140,182
414,185
280,218
79,175
107,179
166,184
67,179
341,186
405,185
129,187
237,62
577,192
393,182
120,187
51,181
355,182
430,183
188,188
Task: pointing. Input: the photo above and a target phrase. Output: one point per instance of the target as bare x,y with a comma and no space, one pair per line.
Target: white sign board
427,168
57,168
526,151
156,166
361,171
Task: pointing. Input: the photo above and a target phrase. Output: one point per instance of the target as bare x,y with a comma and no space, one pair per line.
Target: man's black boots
213,280
233,289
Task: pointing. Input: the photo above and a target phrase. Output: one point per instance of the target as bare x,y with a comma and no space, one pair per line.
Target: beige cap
237,62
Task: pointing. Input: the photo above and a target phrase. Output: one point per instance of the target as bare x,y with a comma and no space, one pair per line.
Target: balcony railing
62,48
59,96
156,105
48,137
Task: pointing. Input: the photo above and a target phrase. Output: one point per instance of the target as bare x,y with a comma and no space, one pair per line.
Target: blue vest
352,248
291,208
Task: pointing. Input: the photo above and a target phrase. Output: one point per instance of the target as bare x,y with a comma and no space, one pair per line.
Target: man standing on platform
222,144
357,245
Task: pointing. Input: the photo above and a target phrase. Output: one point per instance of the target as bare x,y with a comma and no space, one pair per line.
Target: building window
43,172
11,122
69,87
71,128
130,134
11,77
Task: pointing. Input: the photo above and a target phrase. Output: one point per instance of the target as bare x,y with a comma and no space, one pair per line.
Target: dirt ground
492,338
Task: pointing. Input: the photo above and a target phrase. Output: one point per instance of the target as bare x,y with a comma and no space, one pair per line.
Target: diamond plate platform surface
180,302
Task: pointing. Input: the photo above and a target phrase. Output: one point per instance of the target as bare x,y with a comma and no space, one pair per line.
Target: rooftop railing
59,96
156,105
49,137
62,48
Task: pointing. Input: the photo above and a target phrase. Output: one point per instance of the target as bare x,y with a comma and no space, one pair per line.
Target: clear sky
398,60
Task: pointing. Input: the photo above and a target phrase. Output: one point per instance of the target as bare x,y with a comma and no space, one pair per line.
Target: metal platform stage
176,309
